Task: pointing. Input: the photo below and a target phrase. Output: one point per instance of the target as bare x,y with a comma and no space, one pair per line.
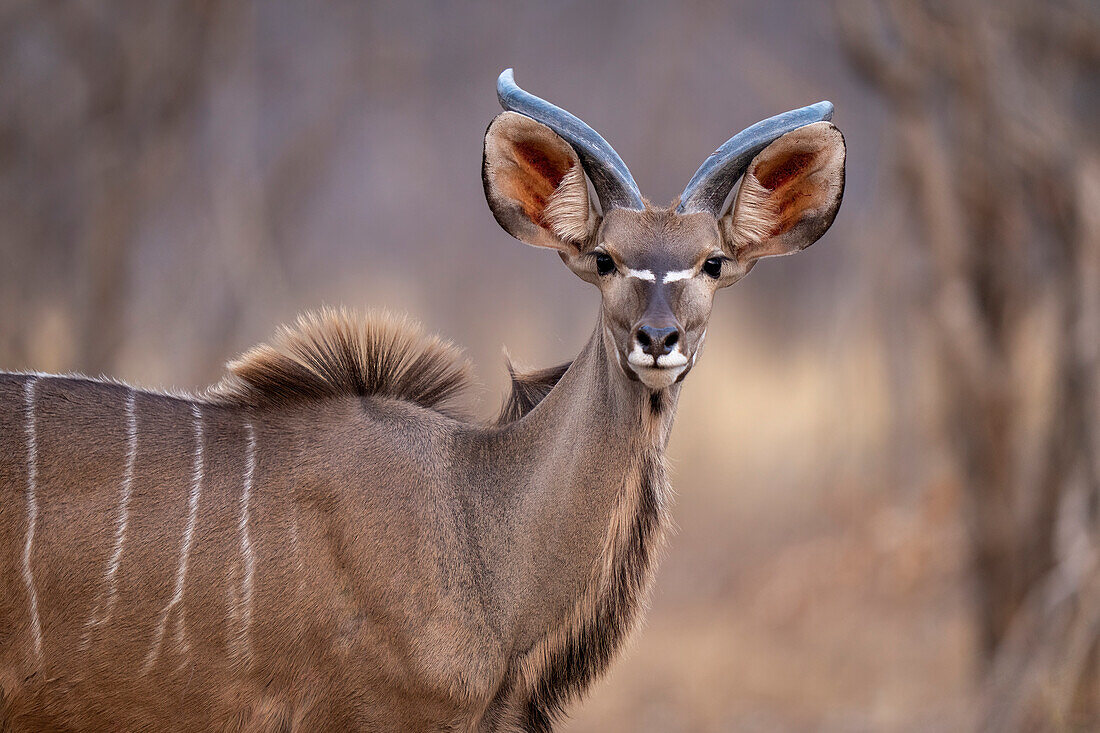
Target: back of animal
188,563
104,565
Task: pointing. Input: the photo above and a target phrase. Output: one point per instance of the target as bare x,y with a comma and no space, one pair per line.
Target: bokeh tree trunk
994,108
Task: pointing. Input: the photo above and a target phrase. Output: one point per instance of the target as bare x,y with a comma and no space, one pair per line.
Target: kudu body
321,543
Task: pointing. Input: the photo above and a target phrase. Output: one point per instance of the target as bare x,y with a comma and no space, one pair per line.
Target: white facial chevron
674,275
669,277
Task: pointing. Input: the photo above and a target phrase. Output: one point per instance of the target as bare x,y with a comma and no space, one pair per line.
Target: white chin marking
657,378
661,374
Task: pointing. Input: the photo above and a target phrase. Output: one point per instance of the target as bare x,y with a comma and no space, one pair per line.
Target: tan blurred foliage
887,457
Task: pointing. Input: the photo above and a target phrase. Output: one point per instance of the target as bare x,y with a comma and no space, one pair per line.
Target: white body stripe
246,542
642,274
185,549
294,533
32,510
121,523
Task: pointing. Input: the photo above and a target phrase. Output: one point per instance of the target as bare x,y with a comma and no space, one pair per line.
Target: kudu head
552,181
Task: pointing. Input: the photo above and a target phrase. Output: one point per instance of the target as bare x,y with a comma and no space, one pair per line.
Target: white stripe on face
637,357
669,277
674,359
674,275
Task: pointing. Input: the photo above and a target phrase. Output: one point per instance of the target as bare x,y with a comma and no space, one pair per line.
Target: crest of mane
332,353
340,352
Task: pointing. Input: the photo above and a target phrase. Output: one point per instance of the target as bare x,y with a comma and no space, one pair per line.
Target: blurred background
888,462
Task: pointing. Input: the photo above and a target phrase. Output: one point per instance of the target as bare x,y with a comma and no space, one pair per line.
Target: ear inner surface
789,195
534,182
529,172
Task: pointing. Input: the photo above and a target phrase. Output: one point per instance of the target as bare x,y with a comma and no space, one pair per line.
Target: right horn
710,187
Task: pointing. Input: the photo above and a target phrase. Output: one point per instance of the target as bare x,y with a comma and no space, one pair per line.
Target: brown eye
604,263
713,267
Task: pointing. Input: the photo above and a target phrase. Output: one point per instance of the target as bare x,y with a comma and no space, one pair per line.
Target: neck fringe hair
528,389
565,663
333,353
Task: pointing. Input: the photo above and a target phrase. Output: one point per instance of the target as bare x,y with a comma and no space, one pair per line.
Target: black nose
657,341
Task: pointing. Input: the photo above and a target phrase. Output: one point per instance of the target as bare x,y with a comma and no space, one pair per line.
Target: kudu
321,542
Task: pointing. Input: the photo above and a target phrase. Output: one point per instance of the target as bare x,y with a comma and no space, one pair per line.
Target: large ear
535,184
789,195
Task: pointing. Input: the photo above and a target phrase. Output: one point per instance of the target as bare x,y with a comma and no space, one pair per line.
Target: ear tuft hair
756,215
568,213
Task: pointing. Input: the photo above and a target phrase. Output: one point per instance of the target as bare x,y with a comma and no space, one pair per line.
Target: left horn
709,188
614,185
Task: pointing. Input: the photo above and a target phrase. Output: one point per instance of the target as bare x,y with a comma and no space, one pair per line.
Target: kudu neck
597,397
592,509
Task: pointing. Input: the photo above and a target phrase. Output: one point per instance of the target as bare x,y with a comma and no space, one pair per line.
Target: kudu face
657,272
658,268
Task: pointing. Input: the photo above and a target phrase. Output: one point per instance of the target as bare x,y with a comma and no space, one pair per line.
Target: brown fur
530,690
568,660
